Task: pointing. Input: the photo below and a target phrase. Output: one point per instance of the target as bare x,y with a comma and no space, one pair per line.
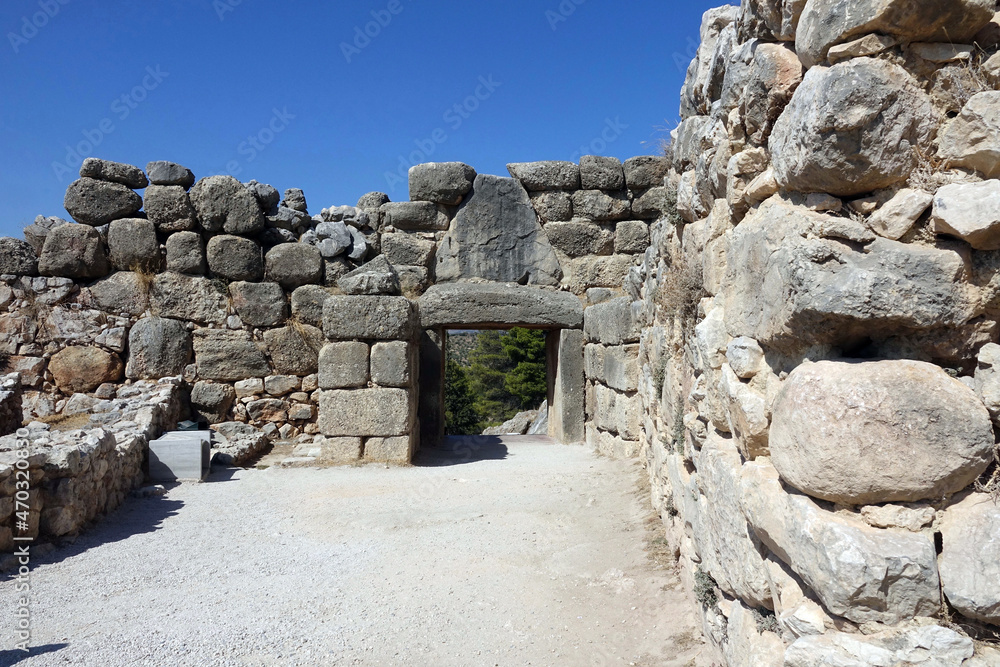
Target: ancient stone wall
818,333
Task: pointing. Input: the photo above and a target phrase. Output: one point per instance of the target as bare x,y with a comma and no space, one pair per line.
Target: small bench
180,456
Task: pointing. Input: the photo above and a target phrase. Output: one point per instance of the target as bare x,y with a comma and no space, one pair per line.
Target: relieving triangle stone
496,236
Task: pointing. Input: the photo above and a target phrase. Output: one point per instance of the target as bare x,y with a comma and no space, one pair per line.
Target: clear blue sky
192,81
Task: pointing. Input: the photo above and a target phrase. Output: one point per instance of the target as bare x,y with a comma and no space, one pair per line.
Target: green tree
489,365
525,348
461,417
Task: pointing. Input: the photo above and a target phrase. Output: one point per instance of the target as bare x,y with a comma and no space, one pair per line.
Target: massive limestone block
496,236
851,129
703,84
616,366
408,250
161,172
600,206
95,203
746,412
73,251
392,363
228,356
84,368
307,304
132,244
234,258
828,22
645,171
547,175
186,253
770,19
413,216
210,402
579,238
477,304
169,208
344,365
116,172
441,182
970,557
924,645
601,173
158,348
294,265
858,572
584,273
368,317
736,562
973,139
376,277
294,350
183,297
970,211
121,292
611,323
847,433
365,412
773,76
787,286
17,257
259,304
224,205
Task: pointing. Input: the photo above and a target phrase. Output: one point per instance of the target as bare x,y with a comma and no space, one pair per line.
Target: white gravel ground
535,558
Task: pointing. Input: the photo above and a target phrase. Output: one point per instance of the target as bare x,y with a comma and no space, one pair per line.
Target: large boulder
365,412
611,322
413,216
548,175
294,264
844,432
970,557
441,182
496,236
645,171
969,211
579,238
132,245
294,350
186,253
181,297
73,251
224,205
408,250
601,173
17,257
368,317
479,304
307,304
121,292
210,402
851,129
96,203
161,172
81,369
259,304
770,19
169,208
228,356
930,645
158,348
705,75
774,74
823,24
791,283
858,572
235,258
115,172
376,277
973,139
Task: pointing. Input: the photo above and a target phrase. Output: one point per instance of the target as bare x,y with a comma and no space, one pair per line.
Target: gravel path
528,554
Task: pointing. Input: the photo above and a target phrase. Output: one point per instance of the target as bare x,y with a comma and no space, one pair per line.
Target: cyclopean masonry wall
817,333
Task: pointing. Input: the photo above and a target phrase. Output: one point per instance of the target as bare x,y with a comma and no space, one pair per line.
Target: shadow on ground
8,658
459,450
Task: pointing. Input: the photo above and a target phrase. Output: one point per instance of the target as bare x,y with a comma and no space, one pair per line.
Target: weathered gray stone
294,264
599,206
82,369
281,385
169,173
295,199
115,172
95,203
550,175
706,74
331,450
186,253
334,239
745,356
774,74
408,250
784,289
631,237
372,201
169,208
294,350
121,292
35,233
844,432
268,410
869,45
73,251
238,443
897,216
17,257
941,53
259,304
601,173
210,402
746,414
359,245
923,645
413,216
580,238
651,204
851,128
228,356
477,304
555,206
823,24
392,364
234,258
611,323
970,211
413,280
307,304
970,557
374,278
389,450
858,572
343,365
496,236
584,273
645,171
132,245
267,196
616,366
368,317
224,205
770,20
365,412
973,139
158,348
441,182
183,297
